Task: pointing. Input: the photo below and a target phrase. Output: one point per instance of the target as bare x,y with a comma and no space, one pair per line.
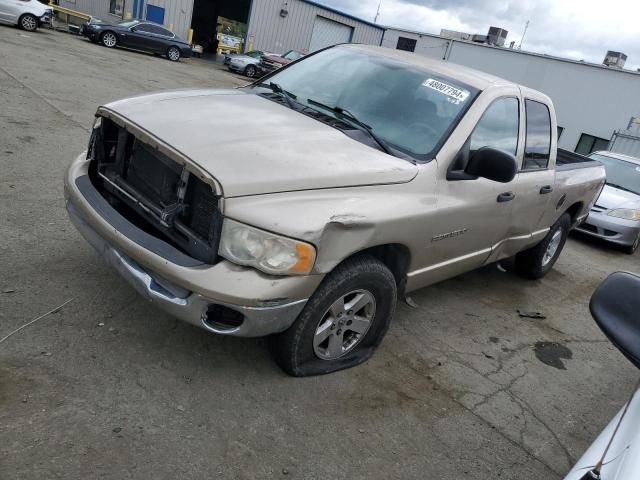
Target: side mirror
493,164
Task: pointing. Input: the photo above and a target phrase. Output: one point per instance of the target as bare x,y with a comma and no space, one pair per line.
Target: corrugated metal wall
177,12
625,141
269,31
588,99
426,45
95,8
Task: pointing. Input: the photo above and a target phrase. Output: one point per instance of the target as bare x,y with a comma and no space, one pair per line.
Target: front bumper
611,229
194,294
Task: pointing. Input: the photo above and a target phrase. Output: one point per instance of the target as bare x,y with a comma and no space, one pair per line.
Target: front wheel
631,249
342,323
28,22
109,39
173,54
250,71
537,261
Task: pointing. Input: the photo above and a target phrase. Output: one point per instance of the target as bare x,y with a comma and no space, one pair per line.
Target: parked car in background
270,63
340,182
253,54
246,64
137,35
26,14
615,217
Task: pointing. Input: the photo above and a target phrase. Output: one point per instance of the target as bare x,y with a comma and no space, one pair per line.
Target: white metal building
592,101
272,25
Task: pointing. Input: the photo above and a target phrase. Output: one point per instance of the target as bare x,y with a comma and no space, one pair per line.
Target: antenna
375,20
526,26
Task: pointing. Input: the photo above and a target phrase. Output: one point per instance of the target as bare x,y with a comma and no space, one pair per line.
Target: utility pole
375,20
526,25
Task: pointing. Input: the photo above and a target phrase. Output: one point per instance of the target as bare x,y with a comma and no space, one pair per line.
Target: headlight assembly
626,213
265,251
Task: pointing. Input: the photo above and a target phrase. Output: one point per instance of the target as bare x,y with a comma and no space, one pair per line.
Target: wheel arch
395,256
574,211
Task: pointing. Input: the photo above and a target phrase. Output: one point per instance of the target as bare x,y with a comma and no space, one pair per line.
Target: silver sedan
246,64
615,217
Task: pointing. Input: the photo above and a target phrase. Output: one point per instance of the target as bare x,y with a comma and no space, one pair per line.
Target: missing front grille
156,193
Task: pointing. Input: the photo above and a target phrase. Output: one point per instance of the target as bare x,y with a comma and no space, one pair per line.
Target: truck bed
567,160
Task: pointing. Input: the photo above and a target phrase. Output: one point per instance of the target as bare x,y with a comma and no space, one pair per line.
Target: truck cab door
536,177
473,214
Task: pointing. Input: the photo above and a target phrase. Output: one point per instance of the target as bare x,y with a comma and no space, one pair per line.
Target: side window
161,31
538,144
143,27
498,127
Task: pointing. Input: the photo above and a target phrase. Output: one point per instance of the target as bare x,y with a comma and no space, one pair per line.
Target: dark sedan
139,35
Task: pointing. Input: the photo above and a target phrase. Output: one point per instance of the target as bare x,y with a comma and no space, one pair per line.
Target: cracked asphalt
109,387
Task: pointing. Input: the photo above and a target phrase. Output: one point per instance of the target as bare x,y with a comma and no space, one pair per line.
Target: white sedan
27,14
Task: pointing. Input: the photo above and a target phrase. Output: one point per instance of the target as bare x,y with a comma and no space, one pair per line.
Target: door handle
546,189
506,197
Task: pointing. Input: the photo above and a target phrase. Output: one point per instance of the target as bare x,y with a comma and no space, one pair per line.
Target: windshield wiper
276,88
344,114
614,185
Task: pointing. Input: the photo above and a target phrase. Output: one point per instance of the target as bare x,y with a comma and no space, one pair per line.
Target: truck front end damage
156,218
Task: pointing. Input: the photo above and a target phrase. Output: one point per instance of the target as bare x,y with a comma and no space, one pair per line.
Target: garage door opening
213,19
329,32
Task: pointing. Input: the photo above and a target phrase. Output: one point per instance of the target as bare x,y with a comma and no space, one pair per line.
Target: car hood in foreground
612,197
623,458
252,145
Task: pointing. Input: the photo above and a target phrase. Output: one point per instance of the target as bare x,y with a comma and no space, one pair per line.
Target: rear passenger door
536,177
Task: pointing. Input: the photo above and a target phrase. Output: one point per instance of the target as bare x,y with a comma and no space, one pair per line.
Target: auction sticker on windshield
451,92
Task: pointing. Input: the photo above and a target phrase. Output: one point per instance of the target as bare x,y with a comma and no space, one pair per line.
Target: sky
576,29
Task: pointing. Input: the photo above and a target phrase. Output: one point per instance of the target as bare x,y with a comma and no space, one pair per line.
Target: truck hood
252,145
612,197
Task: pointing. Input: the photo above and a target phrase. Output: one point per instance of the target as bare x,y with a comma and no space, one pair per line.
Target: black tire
534,263
109,39
173,54
631,249
294,349
250,71
28,22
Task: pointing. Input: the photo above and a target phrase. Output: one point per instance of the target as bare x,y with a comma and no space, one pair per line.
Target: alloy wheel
28,23
109,40
552,248
174,54
344,324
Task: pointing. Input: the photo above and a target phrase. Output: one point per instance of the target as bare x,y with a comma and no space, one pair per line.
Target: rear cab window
537,148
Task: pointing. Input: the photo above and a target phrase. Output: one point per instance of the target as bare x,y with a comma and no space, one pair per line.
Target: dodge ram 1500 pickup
301,206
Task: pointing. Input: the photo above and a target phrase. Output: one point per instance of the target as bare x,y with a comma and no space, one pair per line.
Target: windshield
625,175
128,24
293,55
408,107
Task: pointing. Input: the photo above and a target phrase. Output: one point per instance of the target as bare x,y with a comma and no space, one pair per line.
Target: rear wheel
109,39
28,22
250,71
537,261
173,54
343,322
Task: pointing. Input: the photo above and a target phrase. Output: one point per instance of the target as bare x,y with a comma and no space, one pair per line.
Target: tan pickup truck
303,205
